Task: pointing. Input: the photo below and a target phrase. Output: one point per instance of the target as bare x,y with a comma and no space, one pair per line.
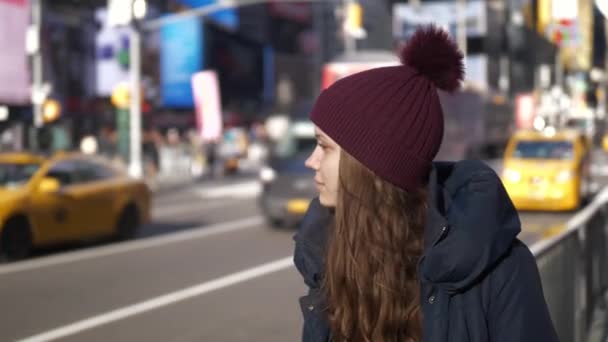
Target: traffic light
51,111
121,96
353,23
354,16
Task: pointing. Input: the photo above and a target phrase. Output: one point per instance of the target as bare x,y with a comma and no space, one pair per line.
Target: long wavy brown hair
371,284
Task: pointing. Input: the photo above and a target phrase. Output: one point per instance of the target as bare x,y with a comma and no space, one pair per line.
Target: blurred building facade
269,57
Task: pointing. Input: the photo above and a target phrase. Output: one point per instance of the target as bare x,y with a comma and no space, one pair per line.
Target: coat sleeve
517,310
308,259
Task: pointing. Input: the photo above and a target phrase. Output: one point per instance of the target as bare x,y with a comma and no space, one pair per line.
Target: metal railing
574,270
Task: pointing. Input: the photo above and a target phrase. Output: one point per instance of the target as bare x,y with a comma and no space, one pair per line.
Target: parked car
547,170
65,198
287,185
605,142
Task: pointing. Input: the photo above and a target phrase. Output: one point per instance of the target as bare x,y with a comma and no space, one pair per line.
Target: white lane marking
158,302
159,212
247,189
118,248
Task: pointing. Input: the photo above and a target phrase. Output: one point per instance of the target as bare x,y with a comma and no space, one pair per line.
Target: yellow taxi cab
547,170
605,142
68,197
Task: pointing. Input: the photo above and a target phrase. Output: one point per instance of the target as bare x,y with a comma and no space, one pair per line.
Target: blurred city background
152,153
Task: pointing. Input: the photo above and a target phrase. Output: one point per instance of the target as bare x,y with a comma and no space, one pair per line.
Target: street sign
205,88
14,20
566,9
181,56
4,113
120,12
407,18
40,94
565,32
32,39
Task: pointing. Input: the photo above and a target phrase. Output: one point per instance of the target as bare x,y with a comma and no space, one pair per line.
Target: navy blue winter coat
478,282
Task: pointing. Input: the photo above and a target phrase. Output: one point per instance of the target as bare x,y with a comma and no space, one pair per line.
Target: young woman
396,247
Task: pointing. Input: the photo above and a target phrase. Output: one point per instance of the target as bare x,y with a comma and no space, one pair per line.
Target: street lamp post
135,125
138,10
37,77
603,7
129,13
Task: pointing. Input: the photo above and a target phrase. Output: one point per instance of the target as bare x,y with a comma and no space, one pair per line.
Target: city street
207,269
177,113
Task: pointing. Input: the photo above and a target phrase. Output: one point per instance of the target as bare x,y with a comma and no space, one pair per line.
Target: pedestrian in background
397,247
211,157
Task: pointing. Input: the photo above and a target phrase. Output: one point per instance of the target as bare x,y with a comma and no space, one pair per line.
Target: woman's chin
327,202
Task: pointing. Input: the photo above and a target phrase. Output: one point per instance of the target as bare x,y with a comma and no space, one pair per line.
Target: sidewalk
598,331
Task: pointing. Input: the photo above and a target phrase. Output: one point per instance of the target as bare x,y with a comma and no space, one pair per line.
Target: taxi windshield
562,150
14,175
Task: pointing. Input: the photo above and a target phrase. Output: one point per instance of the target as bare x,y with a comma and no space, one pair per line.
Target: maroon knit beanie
390,119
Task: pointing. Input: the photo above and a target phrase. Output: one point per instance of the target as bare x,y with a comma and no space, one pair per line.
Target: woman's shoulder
515,284
517,264
518,311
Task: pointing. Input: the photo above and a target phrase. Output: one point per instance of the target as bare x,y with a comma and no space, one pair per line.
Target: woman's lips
318,185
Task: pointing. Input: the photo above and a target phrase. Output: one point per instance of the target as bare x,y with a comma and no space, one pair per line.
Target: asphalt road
207,269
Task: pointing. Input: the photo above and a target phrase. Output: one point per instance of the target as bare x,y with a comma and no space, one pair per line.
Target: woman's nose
313,161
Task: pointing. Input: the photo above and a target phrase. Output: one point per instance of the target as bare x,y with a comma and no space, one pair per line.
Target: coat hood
472,224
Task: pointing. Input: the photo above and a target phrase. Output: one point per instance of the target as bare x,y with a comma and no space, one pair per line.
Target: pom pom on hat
431,52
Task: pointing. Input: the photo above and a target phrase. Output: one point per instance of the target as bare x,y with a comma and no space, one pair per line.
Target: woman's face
325,161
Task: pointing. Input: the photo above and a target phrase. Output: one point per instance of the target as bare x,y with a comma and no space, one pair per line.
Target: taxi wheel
16,239
127,224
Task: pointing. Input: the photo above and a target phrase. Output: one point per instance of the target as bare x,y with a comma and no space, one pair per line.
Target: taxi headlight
564,176
511,175
267,174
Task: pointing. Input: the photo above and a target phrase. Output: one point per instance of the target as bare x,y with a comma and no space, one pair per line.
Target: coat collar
437,224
